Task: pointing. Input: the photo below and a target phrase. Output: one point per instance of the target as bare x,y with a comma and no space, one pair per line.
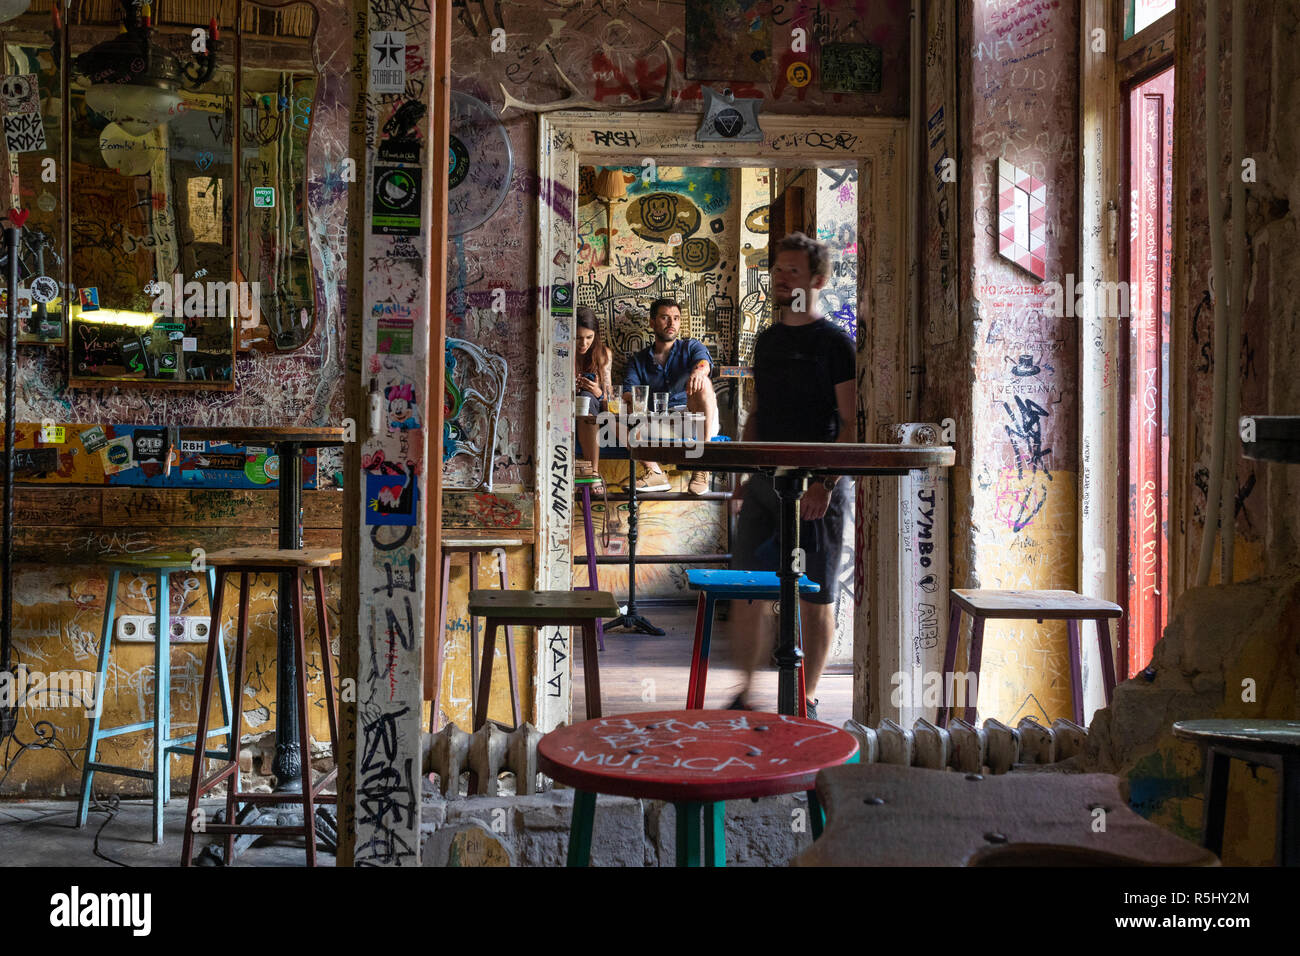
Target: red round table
695,759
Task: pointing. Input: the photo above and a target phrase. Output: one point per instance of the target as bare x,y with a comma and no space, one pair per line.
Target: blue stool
164,744
742,585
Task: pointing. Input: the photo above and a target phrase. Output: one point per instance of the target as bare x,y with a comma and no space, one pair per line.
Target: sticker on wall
44,289
561,299
387,61
255,459
396,201
402,413
395,335
392,498
851,68
89,298
1022,216
117,455
402,139
24,128
263,197
93,439
798,75
24,300
727,119
32,462
148,444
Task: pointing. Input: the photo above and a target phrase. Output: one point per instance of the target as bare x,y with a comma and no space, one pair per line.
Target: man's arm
846,400
701,367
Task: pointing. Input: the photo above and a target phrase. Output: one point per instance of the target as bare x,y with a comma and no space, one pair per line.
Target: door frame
570,139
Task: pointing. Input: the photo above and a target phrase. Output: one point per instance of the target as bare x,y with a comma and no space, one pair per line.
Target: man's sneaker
739,703
653,480
811,705
699,482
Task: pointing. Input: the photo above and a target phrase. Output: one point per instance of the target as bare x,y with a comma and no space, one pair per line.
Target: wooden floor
641,673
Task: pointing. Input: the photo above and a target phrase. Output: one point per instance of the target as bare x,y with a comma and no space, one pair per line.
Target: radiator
993,748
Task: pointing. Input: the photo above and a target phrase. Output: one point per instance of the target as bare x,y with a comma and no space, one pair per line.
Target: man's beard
665,336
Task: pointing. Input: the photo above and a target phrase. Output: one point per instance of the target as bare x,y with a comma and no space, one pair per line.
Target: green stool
164,744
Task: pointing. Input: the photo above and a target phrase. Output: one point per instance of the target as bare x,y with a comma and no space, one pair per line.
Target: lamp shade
610,185
13,8
135,108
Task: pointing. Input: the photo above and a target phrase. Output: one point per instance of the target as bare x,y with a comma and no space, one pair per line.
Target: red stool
1030,605
245,562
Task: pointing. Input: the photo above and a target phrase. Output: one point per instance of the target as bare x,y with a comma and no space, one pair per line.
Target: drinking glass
640,399
661,403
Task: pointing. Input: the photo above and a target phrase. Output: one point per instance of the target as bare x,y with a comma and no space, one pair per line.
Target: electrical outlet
136,628
189,629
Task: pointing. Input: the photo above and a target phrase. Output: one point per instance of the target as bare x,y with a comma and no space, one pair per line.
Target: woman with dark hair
594,364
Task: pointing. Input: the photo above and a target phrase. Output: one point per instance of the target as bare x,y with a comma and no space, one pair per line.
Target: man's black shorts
756,548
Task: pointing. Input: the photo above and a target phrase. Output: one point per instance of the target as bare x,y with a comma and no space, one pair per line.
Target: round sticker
459,167
272,467
44,289
47,202
118,454
798,74
728,122
255,469
397,190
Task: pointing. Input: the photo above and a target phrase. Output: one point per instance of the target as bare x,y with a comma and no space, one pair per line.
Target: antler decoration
579,101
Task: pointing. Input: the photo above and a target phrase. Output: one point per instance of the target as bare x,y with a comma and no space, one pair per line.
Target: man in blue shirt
680,367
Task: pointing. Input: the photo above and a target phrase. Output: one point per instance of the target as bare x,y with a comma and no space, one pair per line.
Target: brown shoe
699,482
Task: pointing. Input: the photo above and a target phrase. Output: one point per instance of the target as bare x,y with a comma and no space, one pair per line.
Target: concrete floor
44,833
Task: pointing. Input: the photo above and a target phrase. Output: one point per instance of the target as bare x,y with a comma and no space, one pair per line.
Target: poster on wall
729,41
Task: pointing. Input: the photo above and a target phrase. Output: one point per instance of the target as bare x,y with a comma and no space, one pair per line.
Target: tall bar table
791,464
287,766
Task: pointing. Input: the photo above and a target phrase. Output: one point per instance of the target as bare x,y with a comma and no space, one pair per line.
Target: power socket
143,628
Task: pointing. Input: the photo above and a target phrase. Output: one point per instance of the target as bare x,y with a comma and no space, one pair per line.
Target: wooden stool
472,547
886,815
245,562
540,609
164,744
1272,743
1029,605
737,585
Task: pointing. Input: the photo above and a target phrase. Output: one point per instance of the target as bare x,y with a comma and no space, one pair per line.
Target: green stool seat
160,566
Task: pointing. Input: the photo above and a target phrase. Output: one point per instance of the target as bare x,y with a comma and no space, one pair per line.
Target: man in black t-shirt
805,391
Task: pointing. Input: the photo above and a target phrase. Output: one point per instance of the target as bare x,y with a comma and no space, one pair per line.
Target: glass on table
640,399
661,403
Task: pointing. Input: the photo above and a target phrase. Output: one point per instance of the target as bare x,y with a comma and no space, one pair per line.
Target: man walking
680,367
805,391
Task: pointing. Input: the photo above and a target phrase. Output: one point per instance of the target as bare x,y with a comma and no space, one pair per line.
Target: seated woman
593,363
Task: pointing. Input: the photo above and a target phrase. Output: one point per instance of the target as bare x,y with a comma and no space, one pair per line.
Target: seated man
680,367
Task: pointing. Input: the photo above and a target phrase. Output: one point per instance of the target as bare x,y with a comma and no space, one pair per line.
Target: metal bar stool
474,547
737,585
164,744
1029,605
246,562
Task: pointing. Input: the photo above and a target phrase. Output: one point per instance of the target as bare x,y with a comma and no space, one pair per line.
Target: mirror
153,293
31,96
278,88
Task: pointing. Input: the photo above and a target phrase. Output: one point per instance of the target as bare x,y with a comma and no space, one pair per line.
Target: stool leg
101,675
1107,657
589,533
715,834
802,709
304,736
476,664
326,658
162,664
1076,676
816,816
1288,812
237,727
584,817
223,680
591,670
950,660
976,655
688,833
516,712
484,693
1216,800
196,769
435,711
710,606
693,684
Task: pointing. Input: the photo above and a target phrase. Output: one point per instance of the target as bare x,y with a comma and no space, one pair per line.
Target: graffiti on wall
471,406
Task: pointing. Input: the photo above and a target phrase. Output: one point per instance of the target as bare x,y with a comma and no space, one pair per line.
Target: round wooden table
695,759
791,465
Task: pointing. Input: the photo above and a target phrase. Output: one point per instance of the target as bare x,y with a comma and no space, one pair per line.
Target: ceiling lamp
13,8
133,81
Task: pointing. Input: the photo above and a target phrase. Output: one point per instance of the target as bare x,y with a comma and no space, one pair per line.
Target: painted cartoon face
659,211
399,407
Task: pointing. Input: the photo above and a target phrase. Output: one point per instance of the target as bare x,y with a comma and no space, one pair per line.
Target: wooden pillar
396,255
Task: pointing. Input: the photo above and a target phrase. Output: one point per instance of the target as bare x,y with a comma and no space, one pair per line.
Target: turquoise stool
737,585
164,744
